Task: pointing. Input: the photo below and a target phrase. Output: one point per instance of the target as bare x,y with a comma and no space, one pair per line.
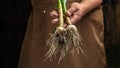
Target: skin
77,10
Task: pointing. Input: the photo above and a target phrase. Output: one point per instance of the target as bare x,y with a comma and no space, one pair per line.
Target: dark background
13,21
111,10
14,16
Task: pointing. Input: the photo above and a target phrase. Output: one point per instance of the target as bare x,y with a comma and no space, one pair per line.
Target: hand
77,10
74,12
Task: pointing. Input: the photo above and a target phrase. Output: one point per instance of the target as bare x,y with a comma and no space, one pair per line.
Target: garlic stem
61,20
64,11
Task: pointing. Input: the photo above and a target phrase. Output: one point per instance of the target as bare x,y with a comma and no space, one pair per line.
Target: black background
14,16
13,21
111,10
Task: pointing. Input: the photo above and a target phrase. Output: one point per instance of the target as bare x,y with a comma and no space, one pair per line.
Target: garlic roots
64,40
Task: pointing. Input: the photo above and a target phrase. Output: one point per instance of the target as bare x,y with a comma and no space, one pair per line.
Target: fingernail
54,20
68,13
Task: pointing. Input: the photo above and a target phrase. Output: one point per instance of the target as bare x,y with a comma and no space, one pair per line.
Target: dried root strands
75,39
57,41
72,33
64,40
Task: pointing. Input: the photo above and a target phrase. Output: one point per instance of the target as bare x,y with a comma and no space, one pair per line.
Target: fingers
75,17
74,12
55,20
54,14
72,9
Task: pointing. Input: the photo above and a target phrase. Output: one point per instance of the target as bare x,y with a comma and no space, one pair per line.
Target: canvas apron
34,46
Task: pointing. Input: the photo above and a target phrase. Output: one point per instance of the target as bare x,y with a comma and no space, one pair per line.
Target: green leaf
63,2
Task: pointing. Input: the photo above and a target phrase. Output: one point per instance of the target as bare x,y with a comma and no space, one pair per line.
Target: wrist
88,5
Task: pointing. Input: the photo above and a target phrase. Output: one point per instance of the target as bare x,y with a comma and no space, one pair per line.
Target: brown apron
34,46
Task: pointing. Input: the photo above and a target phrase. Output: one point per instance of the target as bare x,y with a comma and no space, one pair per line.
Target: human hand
74,12
77,10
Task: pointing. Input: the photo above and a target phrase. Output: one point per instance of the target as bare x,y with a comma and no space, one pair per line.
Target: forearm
88,5
78,10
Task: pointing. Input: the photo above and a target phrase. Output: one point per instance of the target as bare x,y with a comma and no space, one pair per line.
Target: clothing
111,9
34,47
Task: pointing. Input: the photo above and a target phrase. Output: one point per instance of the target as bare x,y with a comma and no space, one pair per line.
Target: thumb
72,9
